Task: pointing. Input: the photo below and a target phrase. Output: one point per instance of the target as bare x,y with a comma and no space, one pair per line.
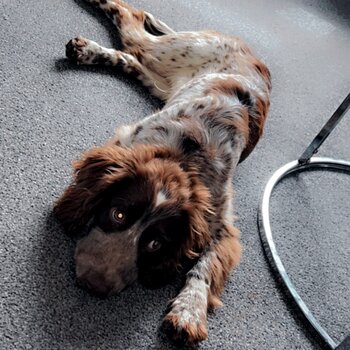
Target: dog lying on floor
159,193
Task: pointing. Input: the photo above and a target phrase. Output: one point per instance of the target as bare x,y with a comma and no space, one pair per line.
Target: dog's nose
95,283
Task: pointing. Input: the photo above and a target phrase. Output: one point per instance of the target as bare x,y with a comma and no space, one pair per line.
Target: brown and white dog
159,193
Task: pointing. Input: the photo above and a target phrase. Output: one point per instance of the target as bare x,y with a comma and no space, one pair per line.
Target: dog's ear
98,169
198,210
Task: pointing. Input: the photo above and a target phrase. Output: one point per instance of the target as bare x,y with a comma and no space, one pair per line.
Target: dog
158,195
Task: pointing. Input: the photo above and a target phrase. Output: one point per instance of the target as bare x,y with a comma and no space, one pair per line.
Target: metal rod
325,131
270,247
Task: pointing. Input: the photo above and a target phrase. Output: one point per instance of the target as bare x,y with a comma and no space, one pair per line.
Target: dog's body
160,191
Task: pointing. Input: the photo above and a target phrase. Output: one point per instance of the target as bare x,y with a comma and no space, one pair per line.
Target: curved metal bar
269,244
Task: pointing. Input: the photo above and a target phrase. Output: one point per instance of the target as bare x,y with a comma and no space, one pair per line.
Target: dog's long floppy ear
94,173
199,210
97,169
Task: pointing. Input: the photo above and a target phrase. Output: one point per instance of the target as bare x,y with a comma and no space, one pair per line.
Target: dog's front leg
187,320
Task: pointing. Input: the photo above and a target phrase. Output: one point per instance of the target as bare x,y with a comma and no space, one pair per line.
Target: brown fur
101,167
227,256
180,161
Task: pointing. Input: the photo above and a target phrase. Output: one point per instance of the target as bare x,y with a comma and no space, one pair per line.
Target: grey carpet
50,111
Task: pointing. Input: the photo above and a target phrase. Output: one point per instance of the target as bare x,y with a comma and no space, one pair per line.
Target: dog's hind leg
135,26
155,26
85,51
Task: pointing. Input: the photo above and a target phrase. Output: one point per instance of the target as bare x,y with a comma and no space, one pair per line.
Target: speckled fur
216,95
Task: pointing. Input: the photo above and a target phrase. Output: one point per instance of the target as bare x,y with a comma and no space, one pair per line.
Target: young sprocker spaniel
158,195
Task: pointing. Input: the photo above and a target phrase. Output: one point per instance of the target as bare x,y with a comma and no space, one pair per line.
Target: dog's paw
184,328
82,51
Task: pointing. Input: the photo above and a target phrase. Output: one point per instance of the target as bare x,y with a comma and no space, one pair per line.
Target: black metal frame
325,131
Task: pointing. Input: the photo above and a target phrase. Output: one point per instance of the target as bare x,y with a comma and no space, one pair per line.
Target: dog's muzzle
105,263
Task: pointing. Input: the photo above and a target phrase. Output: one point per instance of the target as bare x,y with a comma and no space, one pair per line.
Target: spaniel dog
158,195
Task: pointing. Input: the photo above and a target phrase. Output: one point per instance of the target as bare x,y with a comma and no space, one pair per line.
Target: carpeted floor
51,110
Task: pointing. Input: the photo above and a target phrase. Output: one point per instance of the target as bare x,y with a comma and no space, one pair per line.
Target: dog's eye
153,246
118,216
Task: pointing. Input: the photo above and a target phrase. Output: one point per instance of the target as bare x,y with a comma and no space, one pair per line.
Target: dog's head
147,214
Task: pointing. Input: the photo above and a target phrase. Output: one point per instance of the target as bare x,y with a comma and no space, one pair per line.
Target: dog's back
212,77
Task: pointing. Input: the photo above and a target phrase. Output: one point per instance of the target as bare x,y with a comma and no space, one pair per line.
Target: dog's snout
105,263
95,283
